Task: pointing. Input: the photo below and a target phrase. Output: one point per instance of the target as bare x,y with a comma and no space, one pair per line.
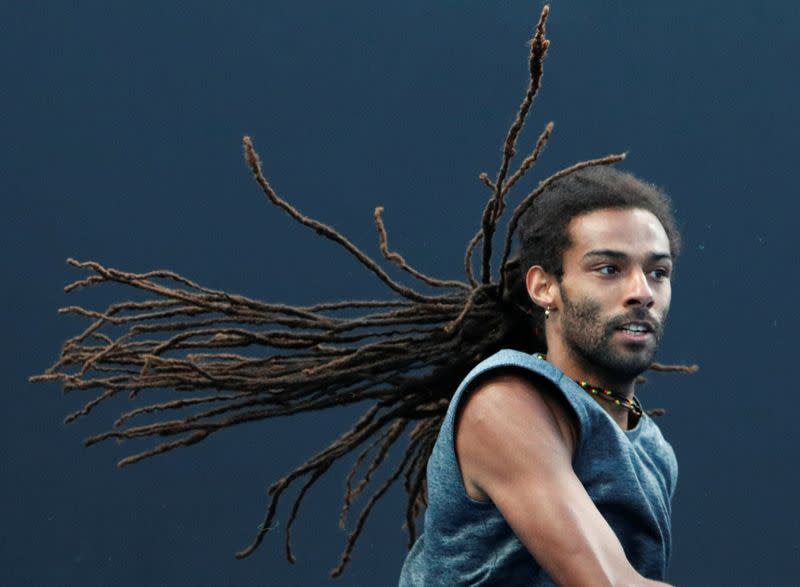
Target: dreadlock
231,360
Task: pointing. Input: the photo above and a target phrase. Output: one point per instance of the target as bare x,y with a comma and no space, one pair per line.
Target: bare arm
515,447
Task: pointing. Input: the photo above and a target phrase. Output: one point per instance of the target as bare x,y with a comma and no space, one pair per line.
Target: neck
579,370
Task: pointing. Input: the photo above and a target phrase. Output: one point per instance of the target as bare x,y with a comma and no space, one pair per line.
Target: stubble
589,337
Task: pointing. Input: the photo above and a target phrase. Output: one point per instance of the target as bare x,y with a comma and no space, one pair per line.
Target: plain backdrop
121,125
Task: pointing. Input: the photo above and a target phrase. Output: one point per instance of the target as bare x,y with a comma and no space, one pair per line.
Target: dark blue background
121,128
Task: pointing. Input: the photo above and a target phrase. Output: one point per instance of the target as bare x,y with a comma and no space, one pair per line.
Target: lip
648,325
636,337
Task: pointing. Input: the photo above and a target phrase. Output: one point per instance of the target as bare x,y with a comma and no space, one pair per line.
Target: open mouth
636,328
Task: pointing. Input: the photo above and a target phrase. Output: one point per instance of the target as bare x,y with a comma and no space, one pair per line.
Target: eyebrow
609,253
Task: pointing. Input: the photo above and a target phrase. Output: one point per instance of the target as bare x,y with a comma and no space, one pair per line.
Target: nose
639,292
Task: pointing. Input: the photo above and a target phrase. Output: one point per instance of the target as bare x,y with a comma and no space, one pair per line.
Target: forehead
633,231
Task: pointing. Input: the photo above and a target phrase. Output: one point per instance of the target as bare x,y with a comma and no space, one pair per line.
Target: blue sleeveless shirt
629,475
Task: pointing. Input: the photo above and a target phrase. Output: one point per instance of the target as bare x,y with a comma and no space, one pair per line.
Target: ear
542,287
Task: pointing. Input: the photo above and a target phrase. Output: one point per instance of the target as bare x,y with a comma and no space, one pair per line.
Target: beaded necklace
632,405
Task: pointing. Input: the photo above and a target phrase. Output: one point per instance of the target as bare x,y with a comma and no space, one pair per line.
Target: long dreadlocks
403,356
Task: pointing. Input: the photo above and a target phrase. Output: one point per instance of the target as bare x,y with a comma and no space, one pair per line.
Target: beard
589,338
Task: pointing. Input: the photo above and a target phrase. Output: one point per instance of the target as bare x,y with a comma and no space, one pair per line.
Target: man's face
615,291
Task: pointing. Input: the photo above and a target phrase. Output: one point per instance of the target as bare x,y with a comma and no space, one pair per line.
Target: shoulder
518,394
531,371
507,413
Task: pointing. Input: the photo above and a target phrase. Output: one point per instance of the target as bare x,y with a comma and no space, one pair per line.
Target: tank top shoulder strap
583,406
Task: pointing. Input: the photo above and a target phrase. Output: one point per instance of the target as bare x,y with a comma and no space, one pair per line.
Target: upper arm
515,445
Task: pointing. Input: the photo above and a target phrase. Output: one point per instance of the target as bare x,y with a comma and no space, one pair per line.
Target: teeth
634,328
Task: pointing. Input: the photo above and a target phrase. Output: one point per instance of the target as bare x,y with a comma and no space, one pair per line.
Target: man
531,479
546,470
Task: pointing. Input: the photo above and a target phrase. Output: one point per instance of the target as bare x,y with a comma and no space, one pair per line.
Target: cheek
665,296
662,304
605,297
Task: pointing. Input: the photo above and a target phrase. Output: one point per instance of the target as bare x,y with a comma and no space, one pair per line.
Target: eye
608,270
660,274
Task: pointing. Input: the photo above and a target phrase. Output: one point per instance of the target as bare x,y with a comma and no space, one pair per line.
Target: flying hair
231,360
